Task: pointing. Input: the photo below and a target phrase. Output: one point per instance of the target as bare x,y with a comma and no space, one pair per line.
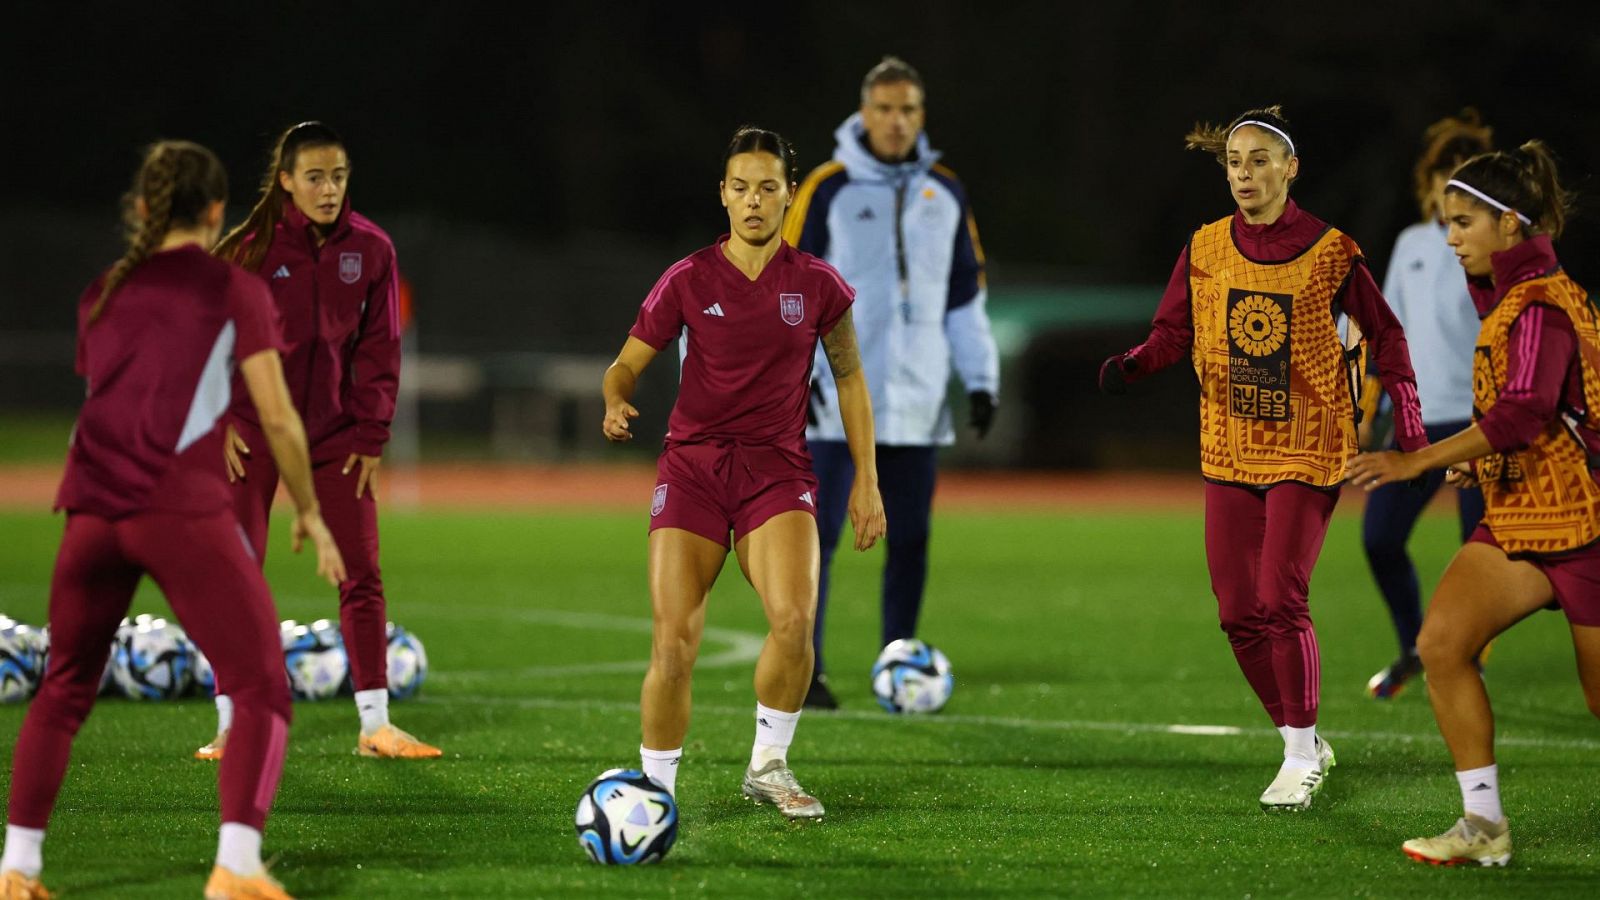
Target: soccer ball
912,677
408,663
22,660
626,817
315,658
205,679
152,660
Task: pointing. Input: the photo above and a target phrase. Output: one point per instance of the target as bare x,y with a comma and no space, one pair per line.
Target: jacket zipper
316,330
900,248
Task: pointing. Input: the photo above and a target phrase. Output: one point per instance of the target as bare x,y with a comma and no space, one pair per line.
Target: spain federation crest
659,501
792,307
349,267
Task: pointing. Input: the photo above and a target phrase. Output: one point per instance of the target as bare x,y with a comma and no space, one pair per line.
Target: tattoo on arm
840,345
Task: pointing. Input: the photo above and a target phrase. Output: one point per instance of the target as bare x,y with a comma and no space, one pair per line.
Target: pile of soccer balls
151,658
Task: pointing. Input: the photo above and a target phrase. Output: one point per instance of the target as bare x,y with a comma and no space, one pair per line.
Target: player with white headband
1534,448
1255,302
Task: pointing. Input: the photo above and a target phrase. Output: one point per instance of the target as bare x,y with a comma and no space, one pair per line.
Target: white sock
1480,793
662,765
24,850
774,734
239,849
224,713
1300,744
1283,732
373,706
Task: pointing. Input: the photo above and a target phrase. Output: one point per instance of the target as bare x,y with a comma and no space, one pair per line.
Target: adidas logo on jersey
282,272
714,309
806,499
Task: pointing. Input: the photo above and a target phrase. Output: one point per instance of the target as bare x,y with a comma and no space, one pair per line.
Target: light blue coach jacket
904,237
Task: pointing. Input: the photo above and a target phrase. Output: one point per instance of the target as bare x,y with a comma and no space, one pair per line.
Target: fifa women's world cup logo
1258,354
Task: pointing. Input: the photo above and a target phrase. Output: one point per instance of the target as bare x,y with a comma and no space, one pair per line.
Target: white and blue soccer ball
205,678
315,659
912,677
152,660
625,817
407,663
22,660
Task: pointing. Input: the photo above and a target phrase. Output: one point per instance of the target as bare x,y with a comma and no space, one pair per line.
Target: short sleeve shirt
158,365
747,368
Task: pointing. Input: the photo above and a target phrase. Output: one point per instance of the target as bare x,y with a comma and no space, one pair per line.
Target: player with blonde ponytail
1534,449
158,337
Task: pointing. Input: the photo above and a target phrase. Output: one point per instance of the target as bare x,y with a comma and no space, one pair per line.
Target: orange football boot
16,886
224,884
390,742
213,750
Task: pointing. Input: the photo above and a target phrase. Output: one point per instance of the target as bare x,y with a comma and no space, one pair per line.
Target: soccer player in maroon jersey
336,286
750,309
158,336
1534,446
1255,302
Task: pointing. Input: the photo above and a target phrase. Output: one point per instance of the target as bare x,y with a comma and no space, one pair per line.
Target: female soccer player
157,337
1534,447
335,282
751,309
1255,301
1425,288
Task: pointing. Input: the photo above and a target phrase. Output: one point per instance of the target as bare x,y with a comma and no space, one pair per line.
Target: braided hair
176,181
247,243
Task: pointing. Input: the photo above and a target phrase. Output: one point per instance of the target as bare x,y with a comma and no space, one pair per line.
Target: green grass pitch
1077,639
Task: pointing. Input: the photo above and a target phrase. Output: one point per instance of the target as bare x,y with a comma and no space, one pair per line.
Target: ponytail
1213,139
246,245
1523,181
177,181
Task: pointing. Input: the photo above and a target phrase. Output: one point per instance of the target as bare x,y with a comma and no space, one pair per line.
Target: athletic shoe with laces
213,750
818,696
1473,839
1297,783
390,742
774,783
1391,680
16,886
225,884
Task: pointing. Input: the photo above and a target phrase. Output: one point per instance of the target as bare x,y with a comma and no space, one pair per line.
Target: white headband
1259,124
1487,199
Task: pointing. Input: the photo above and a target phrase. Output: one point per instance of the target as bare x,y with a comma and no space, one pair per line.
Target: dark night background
538,167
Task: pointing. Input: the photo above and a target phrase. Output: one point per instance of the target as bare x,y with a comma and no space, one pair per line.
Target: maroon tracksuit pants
216,590
352,521
1261,545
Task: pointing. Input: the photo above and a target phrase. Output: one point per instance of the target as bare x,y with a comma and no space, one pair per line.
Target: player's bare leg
1482,594
780,558
683,567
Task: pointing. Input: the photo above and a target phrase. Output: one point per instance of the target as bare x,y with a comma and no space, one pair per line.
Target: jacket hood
850,149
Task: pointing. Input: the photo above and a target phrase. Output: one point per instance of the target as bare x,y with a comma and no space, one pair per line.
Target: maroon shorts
1575,578
712,489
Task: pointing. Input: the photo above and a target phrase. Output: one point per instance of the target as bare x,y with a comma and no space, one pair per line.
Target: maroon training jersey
747,366
158,365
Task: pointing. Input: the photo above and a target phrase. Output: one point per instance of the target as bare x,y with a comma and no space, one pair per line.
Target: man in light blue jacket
897,225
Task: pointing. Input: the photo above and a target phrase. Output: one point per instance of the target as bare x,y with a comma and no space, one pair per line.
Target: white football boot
775,784
1297,782
1474,839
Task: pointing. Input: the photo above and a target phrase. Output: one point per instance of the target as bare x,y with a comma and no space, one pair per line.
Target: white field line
941,719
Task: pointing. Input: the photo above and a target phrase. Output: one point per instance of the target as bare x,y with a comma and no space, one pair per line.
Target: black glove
1114,374
982,406
816,403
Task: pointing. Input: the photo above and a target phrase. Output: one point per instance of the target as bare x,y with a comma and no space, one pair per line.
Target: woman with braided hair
336,286
1255,302
1534,449
158,337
